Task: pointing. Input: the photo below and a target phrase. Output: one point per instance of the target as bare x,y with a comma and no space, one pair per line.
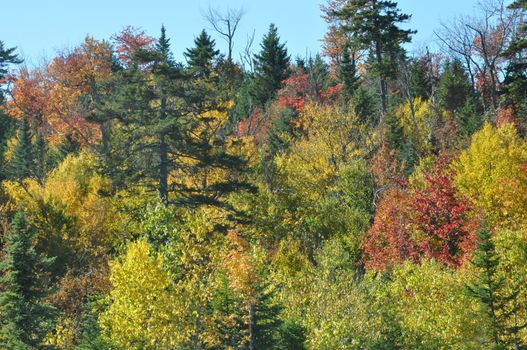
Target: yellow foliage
416,124
333,138
143,313
433,308
75,186
491,173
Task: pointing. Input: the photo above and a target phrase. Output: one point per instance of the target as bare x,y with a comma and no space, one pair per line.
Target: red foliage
388,241
56,97
299,90
255,125
294,92
129,41
506,115
443,218
433,221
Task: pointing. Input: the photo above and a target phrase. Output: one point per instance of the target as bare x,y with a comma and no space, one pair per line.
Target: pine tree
497,301
158,113
201,57
454,86
348,72
7,57
40,155
264,323
515,83
24,318
374,24
21,166
67,146
271,67
7,129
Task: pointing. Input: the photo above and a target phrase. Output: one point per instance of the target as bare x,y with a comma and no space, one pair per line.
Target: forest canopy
366,197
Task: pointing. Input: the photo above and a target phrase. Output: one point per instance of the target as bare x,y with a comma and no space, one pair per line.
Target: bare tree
246,57
480,42
225,24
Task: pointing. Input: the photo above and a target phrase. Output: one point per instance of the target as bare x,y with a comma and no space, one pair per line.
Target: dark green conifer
497,300
25,319
201,57
374,23
515,84
271,67
348,72
22,164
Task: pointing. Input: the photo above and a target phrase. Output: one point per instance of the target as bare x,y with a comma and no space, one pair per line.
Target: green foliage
25,317
21,165
271,67
201,57
498,302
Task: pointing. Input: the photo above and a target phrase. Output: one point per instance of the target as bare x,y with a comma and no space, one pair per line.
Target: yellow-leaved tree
333,138
491,173
70,205
143,312
416,121
433,309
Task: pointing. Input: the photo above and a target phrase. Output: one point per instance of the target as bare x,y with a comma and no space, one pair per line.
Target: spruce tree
201,57
348,72
7,129
67,146
497,300
374,23
22,164
271,67
454,86
24,317
265,323
7,57
157,110
515,83
40,156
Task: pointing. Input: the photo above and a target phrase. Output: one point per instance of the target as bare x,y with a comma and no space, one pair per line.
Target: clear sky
39,27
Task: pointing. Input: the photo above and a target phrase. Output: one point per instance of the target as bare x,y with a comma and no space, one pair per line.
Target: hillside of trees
367,197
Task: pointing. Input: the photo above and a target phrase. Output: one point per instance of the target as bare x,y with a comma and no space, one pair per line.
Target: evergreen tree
515,84
375,25
24,318
271,67
420,82
348,72
265,324
22,164
496,299
67,146
7,128
158,113
7,57
454,86
40,155
201,57
318,71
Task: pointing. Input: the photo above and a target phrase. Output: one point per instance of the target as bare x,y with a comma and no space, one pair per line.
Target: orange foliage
388,241
57,96
128,41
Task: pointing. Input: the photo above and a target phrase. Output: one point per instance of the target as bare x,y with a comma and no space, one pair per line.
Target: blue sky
40,27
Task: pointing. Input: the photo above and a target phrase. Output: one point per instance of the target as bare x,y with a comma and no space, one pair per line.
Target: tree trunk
163,159
251,326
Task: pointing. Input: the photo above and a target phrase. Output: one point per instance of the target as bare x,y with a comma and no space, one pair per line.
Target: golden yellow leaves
492,173
143,313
